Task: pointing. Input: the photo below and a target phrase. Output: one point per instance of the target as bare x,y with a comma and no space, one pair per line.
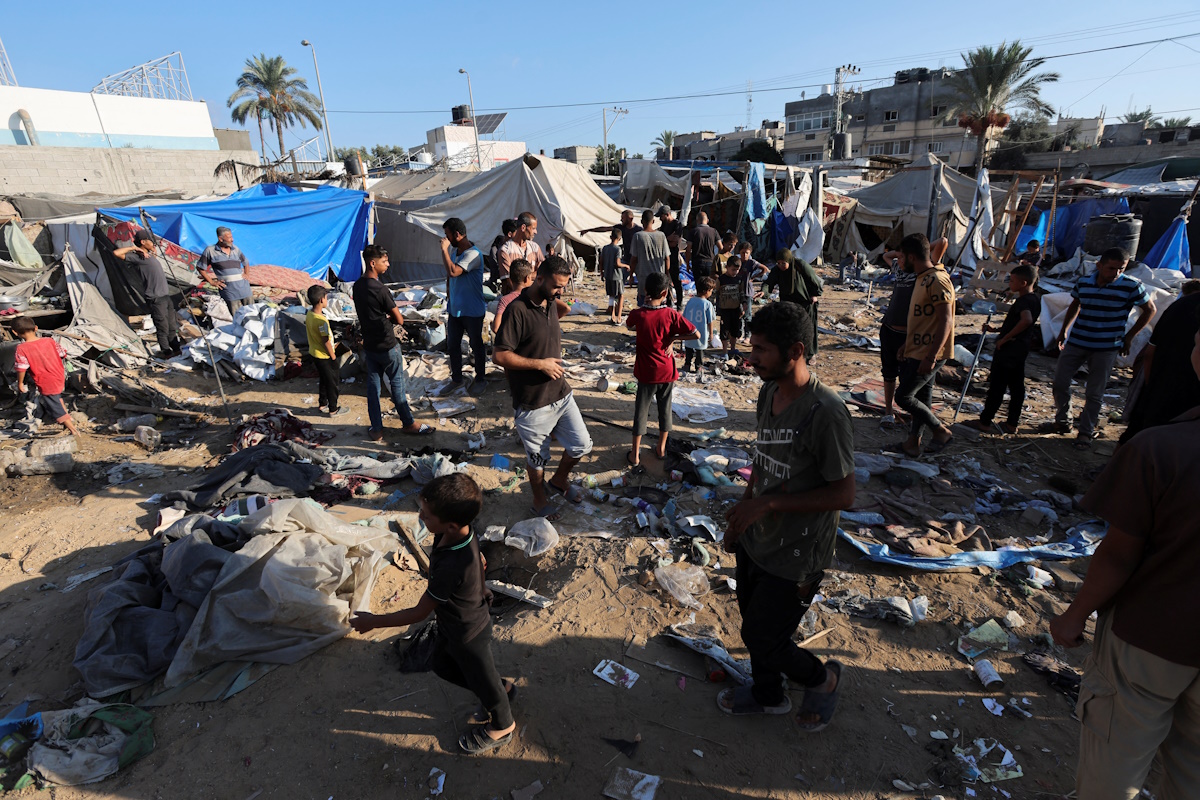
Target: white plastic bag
534,536
684,582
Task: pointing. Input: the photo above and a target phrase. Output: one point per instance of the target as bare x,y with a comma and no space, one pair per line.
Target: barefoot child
616,271
323,352
43,358
658,326
1012,348
700,312
456,594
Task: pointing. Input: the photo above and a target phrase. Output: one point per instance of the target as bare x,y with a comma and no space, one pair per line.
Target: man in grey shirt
158,295
224,266
649,253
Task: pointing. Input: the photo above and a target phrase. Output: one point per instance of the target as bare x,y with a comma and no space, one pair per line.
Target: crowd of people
1140,698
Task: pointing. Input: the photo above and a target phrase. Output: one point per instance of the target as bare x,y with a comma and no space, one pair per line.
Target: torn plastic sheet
711,646
248,341
699,406
987,760
1081,542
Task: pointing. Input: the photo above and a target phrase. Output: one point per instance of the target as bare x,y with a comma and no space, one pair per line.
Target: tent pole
211,360
1048,247
1186,211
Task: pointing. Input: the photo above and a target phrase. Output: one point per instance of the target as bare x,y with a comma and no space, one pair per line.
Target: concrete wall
122,170
81,119
233,139
1103,160
580,154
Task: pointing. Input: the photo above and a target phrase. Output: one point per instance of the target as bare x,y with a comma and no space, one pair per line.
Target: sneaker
477,387
339,412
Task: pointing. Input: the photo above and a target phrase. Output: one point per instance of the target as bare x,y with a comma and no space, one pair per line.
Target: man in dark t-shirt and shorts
158,294
528,347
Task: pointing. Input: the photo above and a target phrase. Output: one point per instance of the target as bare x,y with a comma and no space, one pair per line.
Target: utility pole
617,112
749,103
321,91
839,93
474,122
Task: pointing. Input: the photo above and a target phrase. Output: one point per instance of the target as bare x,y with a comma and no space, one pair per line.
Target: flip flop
823,704
936,447
481,715
629,459
476,741
900,449
739,701
572,493
420,430
549,512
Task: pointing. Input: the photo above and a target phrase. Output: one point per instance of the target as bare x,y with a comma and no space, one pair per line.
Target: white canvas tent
900,205
562,195
413,190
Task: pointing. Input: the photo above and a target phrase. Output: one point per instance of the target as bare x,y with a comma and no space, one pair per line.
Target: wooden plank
166,412
413,547
525,595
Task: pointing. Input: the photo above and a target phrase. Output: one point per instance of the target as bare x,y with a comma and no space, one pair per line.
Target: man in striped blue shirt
1100,312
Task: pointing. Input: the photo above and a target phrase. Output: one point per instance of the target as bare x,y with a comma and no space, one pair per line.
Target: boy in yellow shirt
323,351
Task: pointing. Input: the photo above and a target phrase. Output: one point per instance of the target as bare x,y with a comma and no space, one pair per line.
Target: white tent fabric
981,223
95,319
901,203
413,190
562,195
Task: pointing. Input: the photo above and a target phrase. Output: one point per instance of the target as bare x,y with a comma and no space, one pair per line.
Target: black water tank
1112,230
842,146
351,165
459,113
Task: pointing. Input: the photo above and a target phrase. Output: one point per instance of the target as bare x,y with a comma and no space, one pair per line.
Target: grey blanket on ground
274,470
273,589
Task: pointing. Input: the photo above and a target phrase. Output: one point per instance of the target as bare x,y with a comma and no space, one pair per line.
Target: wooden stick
815,637
681,730
166,412
414,548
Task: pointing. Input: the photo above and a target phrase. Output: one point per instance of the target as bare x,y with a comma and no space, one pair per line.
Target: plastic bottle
147,437
132,423
599,495
601,479
639,504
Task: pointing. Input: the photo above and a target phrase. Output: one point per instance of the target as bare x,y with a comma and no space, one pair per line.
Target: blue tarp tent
316,231
1172,250
264,190
1070,221
1035,228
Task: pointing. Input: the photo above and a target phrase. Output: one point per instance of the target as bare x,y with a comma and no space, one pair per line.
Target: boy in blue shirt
465,305
700,312
615,271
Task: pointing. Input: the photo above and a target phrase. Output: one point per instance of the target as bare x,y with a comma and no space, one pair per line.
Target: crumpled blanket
274,470
279,425
91,741
934,540
366,466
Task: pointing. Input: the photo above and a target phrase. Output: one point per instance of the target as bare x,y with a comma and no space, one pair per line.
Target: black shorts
731,322
890,342
52,406
614,288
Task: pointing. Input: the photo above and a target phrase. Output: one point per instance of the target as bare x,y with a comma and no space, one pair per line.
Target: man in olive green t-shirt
785,527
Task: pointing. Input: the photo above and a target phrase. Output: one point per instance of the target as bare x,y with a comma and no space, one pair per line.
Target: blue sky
400,57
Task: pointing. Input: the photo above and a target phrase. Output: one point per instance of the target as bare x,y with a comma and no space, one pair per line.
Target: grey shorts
563,420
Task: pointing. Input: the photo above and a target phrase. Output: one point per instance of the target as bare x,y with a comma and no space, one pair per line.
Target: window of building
950,123
811,157
860,117
889,148
810,136
809,121
891,116
937,111
934,147
875,149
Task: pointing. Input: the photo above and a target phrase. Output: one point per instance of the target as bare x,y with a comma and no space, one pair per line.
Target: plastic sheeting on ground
313,231
1081,541
697,405
248,341
90,742
1172,251
95,319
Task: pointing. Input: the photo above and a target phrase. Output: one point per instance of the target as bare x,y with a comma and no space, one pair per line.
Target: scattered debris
628,784
533,598
616,674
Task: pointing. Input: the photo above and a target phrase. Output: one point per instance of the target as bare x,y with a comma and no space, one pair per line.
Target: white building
456,144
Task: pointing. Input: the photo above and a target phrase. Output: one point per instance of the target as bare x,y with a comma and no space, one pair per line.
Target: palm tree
992,81
267,89
1174,122
666,141
1147,116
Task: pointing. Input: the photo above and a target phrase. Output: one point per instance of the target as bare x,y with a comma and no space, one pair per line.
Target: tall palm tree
666,140
1176,122
267,89
992,81
1146,115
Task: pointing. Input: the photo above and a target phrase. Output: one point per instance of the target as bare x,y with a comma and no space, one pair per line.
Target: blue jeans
389,364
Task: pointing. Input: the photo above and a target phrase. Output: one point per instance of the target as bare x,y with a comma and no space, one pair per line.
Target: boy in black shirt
1008,364
457,595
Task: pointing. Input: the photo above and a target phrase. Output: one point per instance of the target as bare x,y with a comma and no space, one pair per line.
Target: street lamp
474,122
321,91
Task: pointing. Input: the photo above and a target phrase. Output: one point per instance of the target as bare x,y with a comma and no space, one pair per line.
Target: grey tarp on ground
272,469
281,588
95,319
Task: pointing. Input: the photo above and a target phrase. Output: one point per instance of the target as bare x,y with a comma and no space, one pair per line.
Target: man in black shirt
1171,386
703,242
528,347
158,294
673,230
1012,348
377,312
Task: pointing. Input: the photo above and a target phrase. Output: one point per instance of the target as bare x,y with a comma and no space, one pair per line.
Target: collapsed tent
890,210
413,190
95,324
562,195
1172,250
312,231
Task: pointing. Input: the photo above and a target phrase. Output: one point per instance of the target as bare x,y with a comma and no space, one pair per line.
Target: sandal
572,493
476,740
548,512
632,463
481,715
936,447
739,701
418,430
900,449
823,704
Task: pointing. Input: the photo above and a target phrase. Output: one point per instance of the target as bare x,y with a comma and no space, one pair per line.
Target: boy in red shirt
42,357
658,326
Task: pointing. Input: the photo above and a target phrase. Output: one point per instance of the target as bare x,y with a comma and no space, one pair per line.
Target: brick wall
123,170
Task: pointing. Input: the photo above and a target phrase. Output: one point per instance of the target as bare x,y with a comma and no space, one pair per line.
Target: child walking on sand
43,358
457,596
323,352
658,326
700,312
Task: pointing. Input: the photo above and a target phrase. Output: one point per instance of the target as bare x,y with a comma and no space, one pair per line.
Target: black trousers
473,328
1008,374
166,329
915,395
690,353
676,278
772,608
470,665
328,378
661,394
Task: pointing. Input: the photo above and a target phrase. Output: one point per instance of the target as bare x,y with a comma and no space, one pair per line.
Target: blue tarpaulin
314,231
756,192
1071,220
1034,229
265,190
1172,250
1081,541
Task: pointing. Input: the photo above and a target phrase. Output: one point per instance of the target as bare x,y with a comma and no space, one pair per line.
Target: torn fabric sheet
249,342
697,405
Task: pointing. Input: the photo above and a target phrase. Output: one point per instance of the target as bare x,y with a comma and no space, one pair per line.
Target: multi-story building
712,146
580,154
456,144
903,120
